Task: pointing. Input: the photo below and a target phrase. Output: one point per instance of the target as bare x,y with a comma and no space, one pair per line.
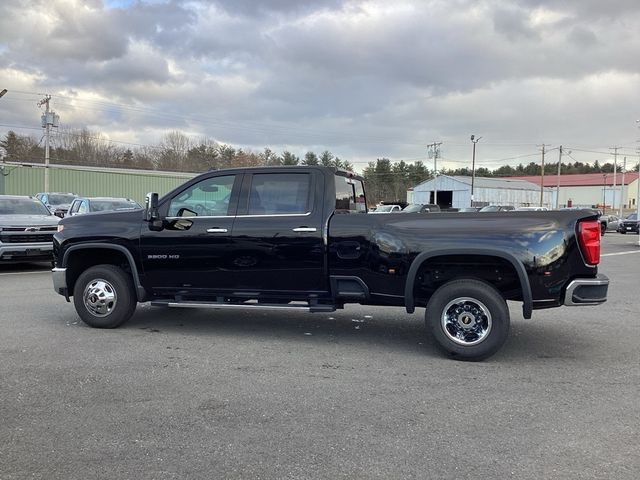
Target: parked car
387,209
629,224
602,219
26,229
101,204
612,223
56,201
421,208
531,209
496,208
293,238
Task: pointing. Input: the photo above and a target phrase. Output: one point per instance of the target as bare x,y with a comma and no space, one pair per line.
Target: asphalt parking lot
360,393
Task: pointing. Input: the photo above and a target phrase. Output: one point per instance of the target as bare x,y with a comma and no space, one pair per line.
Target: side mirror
151,207
185,212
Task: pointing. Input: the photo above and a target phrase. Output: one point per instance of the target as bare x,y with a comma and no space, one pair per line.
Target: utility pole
615,167
624,169
638,190
638,205
542,177
558,182
434,152
474,140
49,119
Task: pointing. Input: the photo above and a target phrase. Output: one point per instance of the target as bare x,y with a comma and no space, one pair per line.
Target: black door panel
192,251
277,235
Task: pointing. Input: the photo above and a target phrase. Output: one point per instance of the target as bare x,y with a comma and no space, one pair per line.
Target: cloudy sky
364,79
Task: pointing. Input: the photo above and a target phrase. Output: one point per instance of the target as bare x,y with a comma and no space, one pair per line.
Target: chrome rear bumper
587,291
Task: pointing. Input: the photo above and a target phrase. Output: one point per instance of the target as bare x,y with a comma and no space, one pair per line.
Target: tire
603,229
104,296
623,232
478,303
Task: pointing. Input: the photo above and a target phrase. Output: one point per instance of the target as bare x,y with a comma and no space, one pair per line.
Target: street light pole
474,140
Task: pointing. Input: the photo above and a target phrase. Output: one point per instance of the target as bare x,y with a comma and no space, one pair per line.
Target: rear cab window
350,197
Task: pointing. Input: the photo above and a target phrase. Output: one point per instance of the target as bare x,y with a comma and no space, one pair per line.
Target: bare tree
173,150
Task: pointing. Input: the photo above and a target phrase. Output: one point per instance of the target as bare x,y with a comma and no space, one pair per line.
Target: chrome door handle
304,229
216,230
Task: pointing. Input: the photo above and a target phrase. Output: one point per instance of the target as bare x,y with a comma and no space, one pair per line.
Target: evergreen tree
289,158
269,157
327,159
310,158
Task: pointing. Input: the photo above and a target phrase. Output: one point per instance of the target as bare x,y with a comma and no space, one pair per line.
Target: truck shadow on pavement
378,328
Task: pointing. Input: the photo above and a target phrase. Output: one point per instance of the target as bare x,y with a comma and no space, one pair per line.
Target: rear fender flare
527,299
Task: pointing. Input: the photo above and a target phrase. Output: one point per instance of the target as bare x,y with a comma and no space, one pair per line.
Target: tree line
385,180
175,152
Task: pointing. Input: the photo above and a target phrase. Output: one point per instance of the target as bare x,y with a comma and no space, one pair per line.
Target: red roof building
580,179
590,189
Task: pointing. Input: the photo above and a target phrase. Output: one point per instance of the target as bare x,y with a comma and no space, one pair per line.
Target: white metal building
455,192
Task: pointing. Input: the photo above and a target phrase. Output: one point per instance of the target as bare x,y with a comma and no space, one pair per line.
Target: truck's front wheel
104,296
468,318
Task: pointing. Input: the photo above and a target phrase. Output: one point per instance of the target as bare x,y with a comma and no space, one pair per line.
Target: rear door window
280,194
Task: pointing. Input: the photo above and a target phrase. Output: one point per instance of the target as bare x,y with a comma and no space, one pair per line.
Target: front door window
208,198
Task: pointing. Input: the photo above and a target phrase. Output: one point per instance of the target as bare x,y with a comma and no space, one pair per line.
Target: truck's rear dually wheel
468,318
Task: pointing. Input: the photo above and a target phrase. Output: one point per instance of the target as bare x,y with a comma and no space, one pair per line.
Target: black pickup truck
301,238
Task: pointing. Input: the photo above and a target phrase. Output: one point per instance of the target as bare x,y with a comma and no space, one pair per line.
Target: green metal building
28,179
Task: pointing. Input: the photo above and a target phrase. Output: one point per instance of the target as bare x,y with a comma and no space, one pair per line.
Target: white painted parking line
24,273
618,253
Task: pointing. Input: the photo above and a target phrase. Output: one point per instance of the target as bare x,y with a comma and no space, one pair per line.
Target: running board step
245,306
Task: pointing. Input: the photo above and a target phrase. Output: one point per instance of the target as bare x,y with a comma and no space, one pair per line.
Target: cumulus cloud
361,78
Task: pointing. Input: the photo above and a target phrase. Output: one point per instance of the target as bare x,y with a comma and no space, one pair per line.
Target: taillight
589,241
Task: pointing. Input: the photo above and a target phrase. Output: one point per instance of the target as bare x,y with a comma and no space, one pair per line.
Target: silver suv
26,229
56,201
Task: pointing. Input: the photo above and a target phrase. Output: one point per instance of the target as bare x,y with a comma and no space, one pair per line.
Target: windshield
384,208
633,216
490,208
107,205
60,199
412,208
22,206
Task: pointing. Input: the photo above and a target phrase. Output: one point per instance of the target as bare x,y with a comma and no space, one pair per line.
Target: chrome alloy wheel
99,297
466,321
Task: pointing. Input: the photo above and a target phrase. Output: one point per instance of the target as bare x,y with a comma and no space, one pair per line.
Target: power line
248,125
